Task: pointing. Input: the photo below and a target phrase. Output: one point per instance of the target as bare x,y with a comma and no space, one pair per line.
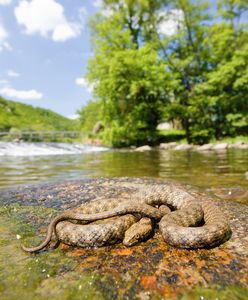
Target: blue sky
43,55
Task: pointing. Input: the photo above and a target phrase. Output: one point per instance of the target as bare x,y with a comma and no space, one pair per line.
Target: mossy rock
150,270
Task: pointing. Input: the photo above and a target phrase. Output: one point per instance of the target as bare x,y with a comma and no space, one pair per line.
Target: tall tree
170,60
186,53
128,73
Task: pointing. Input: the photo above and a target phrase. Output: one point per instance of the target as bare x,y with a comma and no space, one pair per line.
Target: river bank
173,139
206,147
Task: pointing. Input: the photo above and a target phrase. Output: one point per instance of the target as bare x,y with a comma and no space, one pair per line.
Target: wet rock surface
150,270
237,194
143,148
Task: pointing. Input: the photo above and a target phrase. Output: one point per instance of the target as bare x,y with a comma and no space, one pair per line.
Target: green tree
90,115
187,55
129,76
134,93
209,61
197,74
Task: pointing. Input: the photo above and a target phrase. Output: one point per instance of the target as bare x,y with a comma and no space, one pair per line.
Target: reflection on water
207,170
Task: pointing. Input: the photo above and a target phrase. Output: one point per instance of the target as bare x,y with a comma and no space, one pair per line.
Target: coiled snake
184,220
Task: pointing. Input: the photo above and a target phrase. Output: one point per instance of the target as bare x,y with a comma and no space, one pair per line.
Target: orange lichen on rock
75,252
123,252
149,282
223,256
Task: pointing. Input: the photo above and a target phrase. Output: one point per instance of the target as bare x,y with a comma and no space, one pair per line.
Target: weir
45,148
40,135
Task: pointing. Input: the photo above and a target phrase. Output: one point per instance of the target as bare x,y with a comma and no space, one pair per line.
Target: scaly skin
123,209
176,227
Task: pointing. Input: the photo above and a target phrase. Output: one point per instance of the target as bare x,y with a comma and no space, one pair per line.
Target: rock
149,270
235,145
165,126
183,147
240,146
237,194
143,148
166,146
220,146
17,140
205,147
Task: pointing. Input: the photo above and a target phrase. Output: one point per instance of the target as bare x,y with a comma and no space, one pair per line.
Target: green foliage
90,115
16,117
197,76
171,135
131,86
131,129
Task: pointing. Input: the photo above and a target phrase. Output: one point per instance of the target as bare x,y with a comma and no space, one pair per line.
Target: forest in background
17,117
141,74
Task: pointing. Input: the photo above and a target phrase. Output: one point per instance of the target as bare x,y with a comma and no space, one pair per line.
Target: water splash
37,149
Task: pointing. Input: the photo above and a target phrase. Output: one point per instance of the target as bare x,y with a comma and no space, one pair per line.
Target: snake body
193,222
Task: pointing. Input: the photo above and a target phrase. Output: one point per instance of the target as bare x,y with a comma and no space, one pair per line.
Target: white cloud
65,31
5,2
46,17
85,84
73,117
172,22
12,73
97,3
19,94
4,45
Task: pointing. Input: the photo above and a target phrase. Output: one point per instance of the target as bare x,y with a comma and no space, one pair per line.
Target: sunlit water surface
203,169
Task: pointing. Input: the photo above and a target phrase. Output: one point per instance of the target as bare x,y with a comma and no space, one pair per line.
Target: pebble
166,146
143,148
205,147
220,146
183,147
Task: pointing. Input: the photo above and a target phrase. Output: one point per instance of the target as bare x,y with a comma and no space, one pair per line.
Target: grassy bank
178,135
17,117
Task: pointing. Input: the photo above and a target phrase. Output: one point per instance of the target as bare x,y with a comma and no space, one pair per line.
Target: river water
26,163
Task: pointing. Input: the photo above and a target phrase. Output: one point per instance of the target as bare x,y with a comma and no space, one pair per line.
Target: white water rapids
38,149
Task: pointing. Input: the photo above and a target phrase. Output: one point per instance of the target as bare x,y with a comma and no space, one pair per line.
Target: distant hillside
15,116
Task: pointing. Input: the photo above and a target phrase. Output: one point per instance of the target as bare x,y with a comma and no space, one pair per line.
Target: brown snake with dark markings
193,223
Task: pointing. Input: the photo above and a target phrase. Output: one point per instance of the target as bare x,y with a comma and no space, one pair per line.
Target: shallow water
223,169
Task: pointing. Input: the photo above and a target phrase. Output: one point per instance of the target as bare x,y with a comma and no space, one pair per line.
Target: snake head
138,232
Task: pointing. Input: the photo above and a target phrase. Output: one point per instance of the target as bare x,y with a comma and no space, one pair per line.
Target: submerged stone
148,270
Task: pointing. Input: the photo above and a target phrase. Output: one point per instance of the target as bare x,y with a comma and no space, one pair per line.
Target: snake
184,220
